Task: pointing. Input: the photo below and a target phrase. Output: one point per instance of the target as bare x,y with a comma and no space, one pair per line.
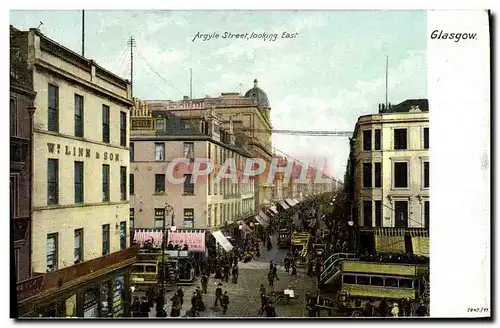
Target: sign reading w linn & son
81,152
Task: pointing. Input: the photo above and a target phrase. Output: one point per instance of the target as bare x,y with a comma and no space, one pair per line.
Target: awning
264,219
390,240
420,242
194,240
284,205
274,209
244,227
153,236
296,201
290,202
222,240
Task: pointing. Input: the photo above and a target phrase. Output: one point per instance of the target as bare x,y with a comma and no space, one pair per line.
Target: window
78,116
348,279
215,155
367,213
377,140
105,183
427,213
405,283
123,235
209,151
367,140
401,175
159,183
105,239
52,252
159,151
123,129
188,185
367,175
131,187
160,124
189,150
400,139
189,218
105,123
209,216
426,174
363,280
79,182
378,213
131,152
159,217
131,218
14,188
78,246
215,216
378,175
209,184
53,123
13,117
52,182
376,281
123,182
426,138
401,213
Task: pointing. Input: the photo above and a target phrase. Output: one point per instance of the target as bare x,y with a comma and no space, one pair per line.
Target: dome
259,95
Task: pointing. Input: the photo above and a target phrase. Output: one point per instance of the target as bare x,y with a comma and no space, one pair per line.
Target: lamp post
168,209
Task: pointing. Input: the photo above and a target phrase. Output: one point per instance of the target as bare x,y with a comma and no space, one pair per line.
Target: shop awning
284,205
244,227
194,240
153,236
273,209
290,202
222,240
420,242
390,240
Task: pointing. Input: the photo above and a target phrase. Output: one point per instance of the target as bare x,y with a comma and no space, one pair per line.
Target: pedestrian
235,274
263,303
270,277
175,311
309,268
218,295
135,307
194,301
225,302
383,308
271,265
421,310
311,304
270,311
294,269
180,293
395,310
204,283
262,289
144,307
226,273
287,264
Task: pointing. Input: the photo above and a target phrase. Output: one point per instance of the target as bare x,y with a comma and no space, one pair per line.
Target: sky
331,73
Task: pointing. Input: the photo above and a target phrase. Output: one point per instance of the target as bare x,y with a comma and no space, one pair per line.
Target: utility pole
83,33
131,43
386,79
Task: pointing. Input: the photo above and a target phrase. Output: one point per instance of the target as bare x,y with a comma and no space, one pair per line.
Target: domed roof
259,95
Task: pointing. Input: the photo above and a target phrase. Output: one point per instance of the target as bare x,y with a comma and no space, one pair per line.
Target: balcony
45,284
18,151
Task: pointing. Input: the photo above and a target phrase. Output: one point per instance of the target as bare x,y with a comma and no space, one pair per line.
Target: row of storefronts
92,289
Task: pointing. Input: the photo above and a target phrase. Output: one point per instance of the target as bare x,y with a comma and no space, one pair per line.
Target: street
244,296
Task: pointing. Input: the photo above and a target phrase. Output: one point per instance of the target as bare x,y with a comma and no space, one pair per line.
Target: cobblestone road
244,297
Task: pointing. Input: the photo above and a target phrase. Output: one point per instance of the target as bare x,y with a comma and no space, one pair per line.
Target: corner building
80,253
391,178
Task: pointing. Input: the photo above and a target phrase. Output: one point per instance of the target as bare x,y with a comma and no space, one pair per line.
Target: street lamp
168,209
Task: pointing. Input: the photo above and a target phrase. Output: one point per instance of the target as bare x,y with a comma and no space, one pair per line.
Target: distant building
157,138
388,174
251,120
80,205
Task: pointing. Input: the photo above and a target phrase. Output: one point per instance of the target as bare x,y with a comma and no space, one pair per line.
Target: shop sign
29,288
142,124
81,152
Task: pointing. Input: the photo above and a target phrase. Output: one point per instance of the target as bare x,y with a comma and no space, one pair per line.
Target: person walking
395,310
225,302
180,293
144,308
270,278
204,283
235,274
175,311
218,295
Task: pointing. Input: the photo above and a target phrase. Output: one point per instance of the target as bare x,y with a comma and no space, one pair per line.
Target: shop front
93,289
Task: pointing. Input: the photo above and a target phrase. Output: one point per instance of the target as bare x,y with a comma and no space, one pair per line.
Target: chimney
230,132
255,83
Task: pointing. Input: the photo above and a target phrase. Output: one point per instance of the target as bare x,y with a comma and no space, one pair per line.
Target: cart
285,296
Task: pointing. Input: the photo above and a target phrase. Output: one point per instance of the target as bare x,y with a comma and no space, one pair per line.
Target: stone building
79,201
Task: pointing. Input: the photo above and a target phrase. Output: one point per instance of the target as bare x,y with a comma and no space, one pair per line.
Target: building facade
80,205
249,115
158,138
21,123
391,174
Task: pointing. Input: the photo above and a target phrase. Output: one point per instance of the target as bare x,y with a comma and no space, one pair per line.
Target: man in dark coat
204,283
144,307
421,310
225,303
135,308
180,293
218,295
